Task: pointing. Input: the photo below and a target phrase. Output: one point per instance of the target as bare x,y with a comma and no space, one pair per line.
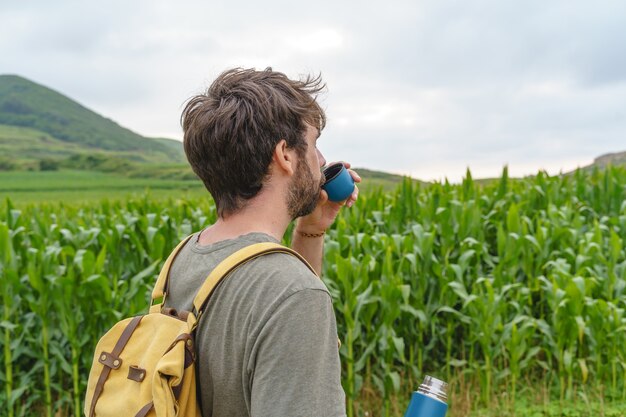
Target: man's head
231,131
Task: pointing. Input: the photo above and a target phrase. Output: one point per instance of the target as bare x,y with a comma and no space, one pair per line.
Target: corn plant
513,285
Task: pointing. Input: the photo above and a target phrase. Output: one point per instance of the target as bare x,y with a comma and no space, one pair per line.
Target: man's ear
284,158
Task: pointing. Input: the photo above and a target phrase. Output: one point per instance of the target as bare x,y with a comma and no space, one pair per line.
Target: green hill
39,125
37,122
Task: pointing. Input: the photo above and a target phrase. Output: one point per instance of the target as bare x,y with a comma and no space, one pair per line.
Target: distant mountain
615,159
618,158
50,124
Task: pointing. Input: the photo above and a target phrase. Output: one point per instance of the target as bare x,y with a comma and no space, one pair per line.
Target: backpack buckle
136,373
109,360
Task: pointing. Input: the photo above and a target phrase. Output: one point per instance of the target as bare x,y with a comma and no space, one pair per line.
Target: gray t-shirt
267,340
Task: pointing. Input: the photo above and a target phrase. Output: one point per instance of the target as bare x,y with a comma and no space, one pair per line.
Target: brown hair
230,131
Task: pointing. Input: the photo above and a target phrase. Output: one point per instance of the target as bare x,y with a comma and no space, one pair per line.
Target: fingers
323,197
356,177
355,195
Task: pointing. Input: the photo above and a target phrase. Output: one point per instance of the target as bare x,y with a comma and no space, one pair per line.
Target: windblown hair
230,131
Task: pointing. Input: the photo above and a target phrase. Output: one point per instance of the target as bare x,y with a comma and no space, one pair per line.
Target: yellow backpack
144,365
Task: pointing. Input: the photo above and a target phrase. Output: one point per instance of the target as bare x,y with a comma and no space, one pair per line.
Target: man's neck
256,216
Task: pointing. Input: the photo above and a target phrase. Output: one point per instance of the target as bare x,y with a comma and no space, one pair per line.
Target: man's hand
326,211
308,237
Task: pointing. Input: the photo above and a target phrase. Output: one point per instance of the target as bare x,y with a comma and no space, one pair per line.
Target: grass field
89,186
32,144
24,187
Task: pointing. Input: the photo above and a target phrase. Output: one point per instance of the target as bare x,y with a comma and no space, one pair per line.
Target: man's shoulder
285,271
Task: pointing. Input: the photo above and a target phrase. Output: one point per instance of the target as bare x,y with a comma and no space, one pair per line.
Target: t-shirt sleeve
296,369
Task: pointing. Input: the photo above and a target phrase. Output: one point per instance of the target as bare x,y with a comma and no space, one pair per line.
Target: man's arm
310,246
308,235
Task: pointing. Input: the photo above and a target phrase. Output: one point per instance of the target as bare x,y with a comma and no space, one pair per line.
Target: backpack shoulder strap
235,260
159,287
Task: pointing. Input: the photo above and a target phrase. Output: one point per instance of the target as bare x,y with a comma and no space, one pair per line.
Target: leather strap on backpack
106,370
228,265
159,287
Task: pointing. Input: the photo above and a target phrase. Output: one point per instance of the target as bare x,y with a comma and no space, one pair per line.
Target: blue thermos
430,399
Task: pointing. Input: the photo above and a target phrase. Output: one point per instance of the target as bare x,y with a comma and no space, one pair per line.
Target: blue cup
430,400
339,183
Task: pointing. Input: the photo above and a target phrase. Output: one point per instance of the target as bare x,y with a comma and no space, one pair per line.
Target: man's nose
321,158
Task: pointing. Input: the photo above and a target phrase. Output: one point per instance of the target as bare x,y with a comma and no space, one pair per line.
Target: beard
304,191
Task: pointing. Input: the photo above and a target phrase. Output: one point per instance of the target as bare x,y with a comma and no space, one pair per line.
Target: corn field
513,286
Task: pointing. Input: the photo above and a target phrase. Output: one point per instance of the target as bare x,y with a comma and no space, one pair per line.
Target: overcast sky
425,88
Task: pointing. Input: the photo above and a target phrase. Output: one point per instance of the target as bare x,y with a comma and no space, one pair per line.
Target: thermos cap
434,388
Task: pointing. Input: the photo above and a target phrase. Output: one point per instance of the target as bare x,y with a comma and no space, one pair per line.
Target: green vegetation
583,407
375,179
25,146
512,291
37,122
163,181
91,186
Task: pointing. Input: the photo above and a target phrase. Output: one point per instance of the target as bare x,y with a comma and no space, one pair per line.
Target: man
267,341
